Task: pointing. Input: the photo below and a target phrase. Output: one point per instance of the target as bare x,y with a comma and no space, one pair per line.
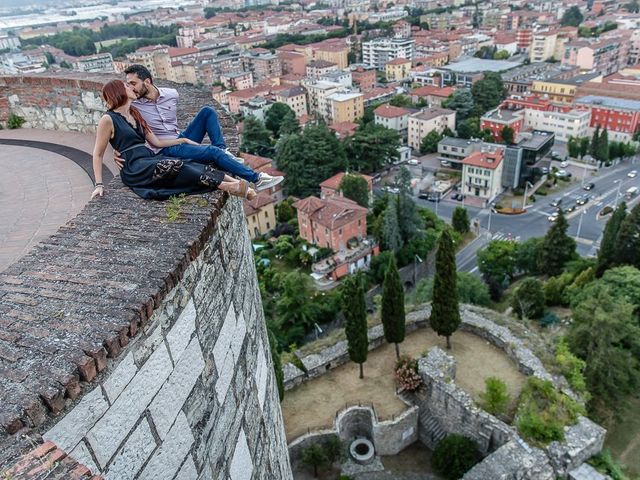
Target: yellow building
397,69
260,214
345,107
296,98
556,91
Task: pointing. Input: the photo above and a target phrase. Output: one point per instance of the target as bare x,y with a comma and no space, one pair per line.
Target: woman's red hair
115,94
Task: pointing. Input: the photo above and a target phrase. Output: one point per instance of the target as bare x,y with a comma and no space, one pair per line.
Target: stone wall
137,346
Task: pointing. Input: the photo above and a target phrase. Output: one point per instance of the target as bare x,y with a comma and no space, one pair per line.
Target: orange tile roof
389,111
256,162
398,61
344,129
253,206
334,182
179,52
485,159
436,91
332,213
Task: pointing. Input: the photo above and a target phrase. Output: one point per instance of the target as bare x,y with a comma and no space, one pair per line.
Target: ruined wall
136,344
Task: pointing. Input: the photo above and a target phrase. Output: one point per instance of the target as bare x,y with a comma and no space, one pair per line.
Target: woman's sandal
244,190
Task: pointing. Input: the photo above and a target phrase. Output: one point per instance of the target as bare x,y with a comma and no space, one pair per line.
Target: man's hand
188,141
118,159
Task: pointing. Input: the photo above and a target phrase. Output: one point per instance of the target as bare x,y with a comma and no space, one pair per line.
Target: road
610,184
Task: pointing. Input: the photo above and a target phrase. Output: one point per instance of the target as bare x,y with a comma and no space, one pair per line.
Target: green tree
355,323
460,220
627,246
277,363
573,147
409,221
501,55
487,93
309,158
295,310
495,398
497,260
584,146
454,456
379,265
632,7
372,147
602,150
391,238
276,116
288,126
285,211
606,254
445,312
356,188
557,248
572,17
462,102
528,299
508,135
605,334
256,139
401,101
315,457
429,143
470,290
527,255
392,312
593,146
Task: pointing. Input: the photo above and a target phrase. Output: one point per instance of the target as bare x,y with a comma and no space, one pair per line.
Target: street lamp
524,199
619,182
580,223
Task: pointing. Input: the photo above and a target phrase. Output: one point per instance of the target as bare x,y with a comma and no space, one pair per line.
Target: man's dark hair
140,70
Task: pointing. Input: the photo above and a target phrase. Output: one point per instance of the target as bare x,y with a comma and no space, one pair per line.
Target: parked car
632,174
445,163
553,217
555,155
564,164
544,170
413,161
457,196
563,174
556,202
589,186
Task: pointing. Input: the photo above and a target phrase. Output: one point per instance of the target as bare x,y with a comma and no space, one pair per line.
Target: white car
632,174
553,217
413,161
564,164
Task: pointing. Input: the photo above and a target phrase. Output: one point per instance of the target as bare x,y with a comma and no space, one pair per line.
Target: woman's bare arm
156,142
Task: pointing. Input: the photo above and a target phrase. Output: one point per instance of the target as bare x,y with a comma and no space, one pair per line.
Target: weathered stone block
133,454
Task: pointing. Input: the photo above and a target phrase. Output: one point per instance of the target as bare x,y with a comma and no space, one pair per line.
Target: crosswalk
505,236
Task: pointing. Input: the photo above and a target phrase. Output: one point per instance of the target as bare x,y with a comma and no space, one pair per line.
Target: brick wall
137,347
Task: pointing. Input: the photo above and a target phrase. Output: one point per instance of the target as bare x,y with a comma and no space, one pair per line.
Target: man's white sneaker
266,181
234,157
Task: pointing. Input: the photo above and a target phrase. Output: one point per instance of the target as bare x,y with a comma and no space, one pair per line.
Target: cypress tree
593,147
393,319
445,312
277,364
460,220
627,249
609,239
355,325
390,226
602,152
557,248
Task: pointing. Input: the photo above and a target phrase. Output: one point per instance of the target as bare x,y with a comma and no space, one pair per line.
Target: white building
395,118
574,123
376,53
482,174
343,77
9,42
100,62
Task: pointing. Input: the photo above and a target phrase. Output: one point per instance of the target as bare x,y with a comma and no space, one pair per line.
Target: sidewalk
39,190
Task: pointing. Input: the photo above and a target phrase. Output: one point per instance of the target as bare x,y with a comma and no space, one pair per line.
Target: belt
132,147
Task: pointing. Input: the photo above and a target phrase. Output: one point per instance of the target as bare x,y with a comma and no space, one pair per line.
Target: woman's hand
97,192
188,141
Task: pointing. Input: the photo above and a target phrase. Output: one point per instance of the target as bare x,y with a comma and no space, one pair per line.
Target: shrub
407,374
454,456
554,289
548,319
543,412
15,121
314,456
495,398
528,299
571,367
604,462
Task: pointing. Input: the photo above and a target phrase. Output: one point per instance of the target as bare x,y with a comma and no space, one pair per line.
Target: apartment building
100,62
292,62
545,46
395,118
434,96
331,222
296,98
482,174
333,50
496,120
331,186
605,56
317,68
343,77
344,107
564,124
397,70
263,64
378,52
318,93
620,117
363,77
237,80
424,121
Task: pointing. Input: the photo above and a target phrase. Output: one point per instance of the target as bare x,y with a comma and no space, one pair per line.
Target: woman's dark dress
157,176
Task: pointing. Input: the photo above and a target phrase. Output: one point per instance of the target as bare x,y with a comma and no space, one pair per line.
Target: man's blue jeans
206,122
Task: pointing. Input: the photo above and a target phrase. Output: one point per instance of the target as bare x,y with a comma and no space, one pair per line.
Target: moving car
556,202
582,200
632,174
570,208
563,174
589,186
553,217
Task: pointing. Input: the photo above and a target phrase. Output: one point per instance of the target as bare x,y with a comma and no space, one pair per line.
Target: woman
147,174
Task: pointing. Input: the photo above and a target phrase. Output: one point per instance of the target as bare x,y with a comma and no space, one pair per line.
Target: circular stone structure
362,451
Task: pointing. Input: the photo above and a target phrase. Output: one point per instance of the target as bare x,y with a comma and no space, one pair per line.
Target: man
159,107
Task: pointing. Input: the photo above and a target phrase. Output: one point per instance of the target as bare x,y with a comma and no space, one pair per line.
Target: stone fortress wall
134,345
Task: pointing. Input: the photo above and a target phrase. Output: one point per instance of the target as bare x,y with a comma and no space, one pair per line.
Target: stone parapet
136,345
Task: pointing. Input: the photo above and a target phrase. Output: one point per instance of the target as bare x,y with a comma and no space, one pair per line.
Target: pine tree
393,319
355,325
445,312
557,248
609,240
627,249
602,152
256,139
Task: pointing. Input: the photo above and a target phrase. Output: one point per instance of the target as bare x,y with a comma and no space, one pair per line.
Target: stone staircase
430,430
